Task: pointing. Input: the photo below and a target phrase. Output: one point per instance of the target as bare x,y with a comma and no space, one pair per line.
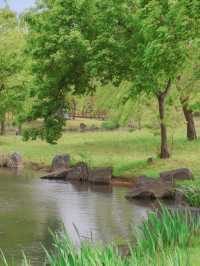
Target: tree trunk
2,130
139,123
191,130
74,108
20,129
164,152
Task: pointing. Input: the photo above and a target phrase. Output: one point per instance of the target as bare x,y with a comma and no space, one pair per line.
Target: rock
83,127
57,175
180,198
80,172
178,174
100,175
15,161
61,162
150,160
147,187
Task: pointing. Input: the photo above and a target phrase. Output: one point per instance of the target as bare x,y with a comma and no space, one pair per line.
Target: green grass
126,151
167,241
191,193
70,124
167,229
164,240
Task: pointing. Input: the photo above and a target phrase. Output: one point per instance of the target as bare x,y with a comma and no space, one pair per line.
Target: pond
29,207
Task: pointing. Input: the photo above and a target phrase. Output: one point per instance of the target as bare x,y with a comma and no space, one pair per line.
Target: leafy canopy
60,52
75,43
11,62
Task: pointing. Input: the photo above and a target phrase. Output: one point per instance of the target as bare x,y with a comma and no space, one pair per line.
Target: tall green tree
75,44
59,31
146,43
11,62
188,84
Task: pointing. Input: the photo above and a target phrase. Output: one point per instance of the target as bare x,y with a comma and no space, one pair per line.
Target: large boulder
178,174
180,198
147,187
79,172
15,161
100,175
61,162
57,175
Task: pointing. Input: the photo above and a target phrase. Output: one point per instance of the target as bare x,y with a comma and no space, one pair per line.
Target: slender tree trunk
139,123
20,129
74,108
191,130
139,114
164,151
2,129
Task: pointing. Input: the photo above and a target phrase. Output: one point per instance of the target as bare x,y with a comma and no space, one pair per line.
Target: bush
110,125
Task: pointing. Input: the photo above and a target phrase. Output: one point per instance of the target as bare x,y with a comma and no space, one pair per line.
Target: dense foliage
127,54
60,52
77,43
12,75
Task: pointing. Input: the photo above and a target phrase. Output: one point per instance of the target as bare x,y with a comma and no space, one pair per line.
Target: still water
29,207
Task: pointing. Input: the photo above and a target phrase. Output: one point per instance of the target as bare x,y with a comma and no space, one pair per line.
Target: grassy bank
126,151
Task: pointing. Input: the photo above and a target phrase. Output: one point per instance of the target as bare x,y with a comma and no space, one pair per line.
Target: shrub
110,125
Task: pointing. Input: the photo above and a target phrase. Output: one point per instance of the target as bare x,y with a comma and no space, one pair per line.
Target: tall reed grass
163,241
192,195
167,228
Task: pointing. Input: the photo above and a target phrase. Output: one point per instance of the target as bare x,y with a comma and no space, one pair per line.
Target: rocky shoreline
143,187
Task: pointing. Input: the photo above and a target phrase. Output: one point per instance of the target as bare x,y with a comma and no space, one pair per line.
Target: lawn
126,151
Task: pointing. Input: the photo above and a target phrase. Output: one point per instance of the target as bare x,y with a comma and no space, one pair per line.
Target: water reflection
30,206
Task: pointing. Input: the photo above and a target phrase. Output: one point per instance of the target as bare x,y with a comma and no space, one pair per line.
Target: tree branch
165,92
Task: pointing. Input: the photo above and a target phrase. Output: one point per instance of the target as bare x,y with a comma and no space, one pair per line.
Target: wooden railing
87,116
